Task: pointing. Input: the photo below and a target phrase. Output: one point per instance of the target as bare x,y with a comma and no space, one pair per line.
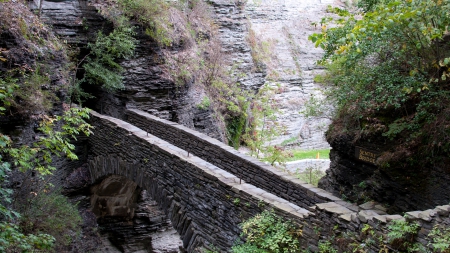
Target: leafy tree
389,68
37,158
263,127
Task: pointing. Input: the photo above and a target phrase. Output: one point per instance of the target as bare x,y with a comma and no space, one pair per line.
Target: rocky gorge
120,216
76,23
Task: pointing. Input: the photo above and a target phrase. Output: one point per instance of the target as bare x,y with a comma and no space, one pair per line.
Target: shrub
12,240
311,175
401,234
266,232
262,127
7,87
26,92
326,247
263,52
101,66
154,15
45,213
440,238
50,213
204,104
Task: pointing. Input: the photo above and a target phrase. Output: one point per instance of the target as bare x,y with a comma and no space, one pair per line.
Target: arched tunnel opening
130,220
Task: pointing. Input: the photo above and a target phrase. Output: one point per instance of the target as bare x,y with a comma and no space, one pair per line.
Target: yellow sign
366,155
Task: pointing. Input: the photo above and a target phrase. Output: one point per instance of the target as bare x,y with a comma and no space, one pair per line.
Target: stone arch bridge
207,188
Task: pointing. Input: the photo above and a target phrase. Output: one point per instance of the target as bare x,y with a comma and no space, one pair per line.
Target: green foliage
402,233
7,87
315,107
5,193
390,64
204,104
263,128
102,67
311,175
266,232
235,129
45,214
440,237
248,248
76,93
400,229
367,5
262,53
154,15
52,214
212,249
11,240
53,142
29,95
326,247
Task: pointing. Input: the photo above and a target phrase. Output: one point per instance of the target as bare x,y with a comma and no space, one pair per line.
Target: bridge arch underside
114,196
129,219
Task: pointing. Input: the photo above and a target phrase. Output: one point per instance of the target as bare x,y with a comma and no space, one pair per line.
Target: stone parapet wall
225,157
206,204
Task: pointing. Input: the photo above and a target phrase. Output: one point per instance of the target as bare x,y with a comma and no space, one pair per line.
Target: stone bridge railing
206,203
225,157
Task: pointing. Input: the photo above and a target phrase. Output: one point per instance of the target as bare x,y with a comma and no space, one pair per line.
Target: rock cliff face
145,86
399,187
286,25
233,24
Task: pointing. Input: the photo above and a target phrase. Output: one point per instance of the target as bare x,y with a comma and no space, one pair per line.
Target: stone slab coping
210,170
231,151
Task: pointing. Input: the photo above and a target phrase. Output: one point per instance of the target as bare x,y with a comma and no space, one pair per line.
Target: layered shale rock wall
146,85
285,25
354,174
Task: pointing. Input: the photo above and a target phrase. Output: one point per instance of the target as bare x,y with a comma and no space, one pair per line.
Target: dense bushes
267,232
389,70
49,212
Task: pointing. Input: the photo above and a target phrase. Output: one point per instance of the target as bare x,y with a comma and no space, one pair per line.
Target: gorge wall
206,203
285,24
284,27
401,187
146,86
